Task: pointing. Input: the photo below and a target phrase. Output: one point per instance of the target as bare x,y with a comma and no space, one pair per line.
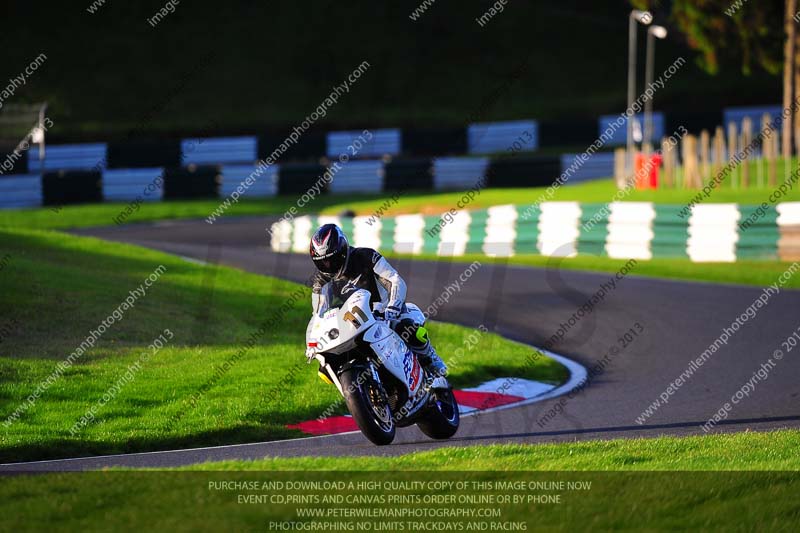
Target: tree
742,30
790,74
726,29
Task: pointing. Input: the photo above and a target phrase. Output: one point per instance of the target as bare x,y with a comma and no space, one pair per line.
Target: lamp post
642,17
653,32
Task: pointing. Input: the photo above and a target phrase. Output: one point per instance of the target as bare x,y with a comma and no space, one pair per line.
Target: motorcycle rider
367,269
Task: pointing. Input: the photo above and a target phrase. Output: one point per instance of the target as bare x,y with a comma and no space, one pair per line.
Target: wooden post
705,167
747,137
719,148
694,153
677,163
684,182
632,178
666,174
769,148
619,168
766,138
690,167
772,156
732,144
789,88
796,116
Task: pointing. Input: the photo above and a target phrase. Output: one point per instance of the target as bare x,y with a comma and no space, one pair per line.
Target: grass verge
596,191
605,485
203,387
739,451
79,216
423,202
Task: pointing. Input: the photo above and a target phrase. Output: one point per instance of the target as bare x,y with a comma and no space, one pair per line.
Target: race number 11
351,318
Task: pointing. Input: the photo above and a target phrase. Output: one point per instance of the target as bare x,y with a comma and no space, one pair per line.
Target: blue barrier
21,190
738,114
458,172
219,150
266,183
599,165
494,137
617,127
69,157
125,184
383,142
358,177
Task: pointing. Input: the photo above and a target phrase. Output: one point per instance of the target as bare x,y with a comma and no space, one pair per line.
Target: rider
366,269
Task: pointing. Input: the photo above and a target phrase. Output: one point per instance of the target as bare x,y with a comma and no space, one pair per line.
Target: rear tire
442,419
366,401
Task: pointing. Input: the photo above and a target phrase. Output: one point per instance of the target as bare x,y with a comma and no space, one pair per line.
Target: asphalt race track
679,320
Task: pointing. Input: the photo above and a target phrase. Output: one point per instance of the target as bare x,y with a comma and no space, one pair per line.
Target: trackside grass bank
80,216
746,272
745,481
81,368
596,191
422,202
740,451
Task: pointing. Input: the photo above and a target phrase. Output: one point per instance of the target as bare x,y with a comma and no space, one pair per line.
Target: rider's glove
392,313
311,351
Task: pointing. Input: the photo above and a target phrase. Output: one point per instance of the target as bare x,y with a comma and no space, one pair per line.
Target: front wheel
366,401
442,419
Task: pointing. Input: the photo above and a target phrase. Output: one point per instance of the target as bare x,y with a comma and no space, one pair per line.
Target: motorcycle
380,378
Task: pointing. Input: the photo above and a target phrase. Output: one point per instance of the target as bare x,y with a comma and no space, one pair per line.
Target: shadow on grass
554,374
43,272
259,424
67,448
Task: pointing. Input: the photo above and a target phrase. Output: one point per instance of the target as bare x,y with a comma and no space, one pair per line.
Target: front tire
442,419
366,401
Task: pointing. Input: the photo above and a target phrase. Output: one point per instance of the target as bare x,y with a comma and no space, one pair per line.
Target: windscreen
334,294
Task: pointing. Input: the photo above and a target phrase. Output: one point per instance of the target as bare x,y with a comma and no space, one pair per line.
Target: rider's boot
430,359
416,337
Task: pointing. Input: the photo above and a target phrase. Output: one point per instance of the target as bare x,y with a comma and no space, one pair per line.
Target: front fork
328,374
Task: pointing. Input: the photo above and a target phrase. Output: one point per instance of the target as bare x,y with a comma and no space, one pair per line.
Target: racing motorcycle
380,378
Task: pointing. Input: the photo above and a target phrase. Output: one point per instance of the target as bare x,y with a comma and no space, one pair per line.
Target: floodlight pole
643,17
652,33
42,111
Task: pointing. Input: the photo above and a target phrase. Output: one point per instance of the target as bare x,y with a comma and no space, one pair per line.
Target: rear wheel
442,419
366,401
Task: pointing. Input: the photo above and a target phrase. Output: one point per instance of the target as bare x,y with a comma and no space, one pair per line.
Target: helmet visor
331,264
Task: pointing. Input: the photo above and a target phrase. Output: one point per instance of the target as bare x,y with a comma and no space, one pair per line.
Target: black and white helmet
329,249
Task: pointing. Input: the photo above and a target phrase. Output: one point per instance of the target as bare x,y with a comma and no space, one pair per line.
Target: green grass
746,272
740,482
739,451
78,216
596,191
742,272
56,288
423,202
